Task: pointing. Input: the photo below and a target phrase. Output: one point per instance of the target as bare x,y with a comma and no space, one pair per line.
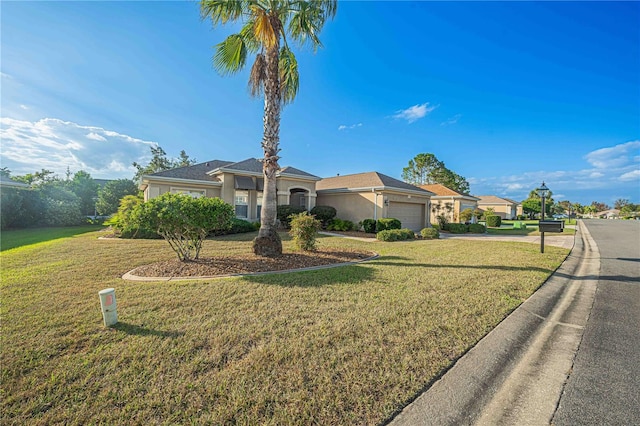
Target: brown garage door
411,215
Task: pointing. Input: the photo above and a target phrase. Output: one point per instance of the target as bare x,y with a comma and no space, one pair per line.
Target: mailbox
551,226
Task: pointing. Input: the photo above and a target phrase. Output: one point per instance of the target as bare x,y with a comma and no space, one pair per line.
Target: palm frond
230,55
257,76
306,19
263,28
289,77
221,11
248,36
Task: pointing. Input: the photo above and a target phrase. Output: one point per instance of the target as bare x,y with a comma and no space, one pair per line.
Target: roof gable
194,172
366,180
492,199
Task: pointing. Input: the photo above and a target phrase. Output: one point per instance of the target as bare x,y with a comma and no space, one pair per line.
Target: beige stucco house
449,203
373,195
503,207
239,184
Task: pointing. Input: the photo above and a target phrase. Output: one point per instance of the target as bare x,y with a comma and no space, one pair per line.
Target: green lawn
23,237
349,345
532,229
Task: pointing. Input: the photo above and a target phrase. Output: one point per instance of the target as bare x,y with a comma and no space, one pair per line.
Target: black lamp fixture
543,191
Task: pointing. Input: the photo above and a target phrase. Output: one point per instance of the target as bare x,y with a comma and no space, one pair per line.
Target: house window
194,193
259,205
303,201
241,201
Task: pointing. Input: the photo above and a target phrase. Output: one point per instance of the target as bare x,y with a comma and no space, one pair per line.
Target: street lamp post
543,192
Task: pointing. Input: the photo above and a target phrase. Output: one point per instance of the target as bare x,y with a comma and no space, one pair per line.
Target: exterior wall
154,190
505,211
227,191
285,185
353,206
435,212
357,206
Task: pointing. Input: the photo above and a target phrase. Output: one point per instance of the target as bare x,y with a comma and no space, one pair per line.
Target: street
604,382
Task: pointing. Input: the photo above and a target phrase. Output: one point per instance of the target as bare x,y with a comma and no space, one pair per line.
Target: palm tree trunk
268,242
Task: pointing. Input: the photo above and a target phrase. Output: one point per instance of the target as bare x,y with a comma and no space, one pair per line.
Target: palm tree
267,27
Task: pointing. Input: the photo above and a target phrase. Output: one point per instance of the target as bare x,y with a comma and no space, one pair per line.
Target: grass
349,345
531,230
23,237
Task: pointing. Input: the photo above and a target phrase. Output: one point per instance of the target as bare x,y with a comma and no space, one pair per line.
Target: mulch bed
246,264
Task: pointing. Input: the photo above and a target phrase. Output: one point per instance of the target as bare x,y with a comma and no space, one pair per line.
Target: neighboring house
6,182
239,184
449,203
609,214
503,207
373,195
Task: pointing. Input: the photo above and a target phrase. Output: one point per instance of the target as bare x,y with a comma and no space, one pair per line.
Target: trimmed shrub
238,226
388,223
304,231
369,226
340,225
435,226
183,221
476,228
389,235
430,233
123,222
458,228
62,207
324,214
494,221
284,213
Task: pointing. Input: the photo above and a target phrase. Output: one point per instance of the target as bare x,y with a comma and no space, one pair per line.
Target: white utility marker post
108,305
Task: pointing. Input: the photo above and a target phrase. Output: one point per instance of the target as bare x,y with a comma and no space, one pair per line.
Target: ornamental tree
184,222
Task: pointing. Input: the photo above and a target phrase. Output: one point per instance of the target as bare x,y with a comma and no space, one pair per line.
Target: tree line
74,199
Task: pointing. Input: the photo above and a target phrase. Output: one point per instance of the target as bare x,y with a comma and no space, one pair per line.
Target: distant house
609,214
6,182
448,202
373,195
503,207
237,183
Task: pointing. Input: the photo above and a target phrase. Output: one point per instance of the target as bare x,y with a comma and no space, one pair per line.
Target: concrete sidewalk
516,373
564,241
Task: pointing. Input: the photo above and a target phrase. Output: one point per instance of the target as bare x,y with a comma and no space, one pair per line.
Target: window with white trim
194,193
259,204
241,202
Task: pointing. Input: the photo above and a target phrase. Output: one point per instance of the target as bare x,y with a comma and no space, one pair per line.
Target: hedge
285,211
476,228
430,233
457,228
494,221
395,235
388,223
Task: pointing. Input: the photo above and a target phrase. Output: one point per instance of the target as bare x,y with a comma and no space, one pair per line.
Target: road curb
462,394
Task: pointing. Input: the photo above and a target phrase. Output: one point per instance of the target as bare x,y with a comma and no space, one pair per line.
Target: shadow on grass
23,237
339,275
137,330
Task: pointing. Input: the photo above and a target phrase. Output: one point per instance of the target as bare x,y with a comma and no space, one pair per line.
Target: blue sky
507,94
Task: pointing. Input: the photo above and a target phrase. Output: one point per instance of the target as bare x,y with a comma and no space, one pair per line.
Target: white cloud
96,137
595,175
55,145
22,106
617,156
415,112
632,175
345,127
452,120
5,75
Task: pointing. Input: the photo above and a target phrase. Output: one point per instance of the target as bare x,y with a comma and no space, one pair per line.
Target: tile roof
199,171
194,172
252,165
293,171
365,180
438,189
492,199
